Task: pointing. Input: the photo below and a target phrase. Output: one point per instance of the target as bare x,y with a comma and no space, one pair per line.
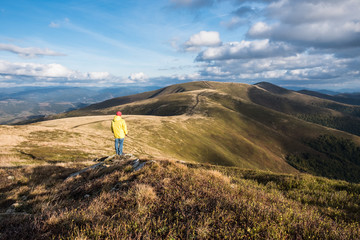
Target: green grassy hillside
336,158
228,124
168,200
168,102
234,133
309,108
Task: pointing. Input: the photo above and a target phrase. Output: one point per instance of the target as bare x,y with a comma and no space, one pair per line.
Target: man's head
118,113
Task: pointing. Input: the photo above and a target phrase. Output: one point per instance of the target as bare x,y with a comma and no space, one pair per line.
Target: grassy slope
167,102
221,126
244,137
312,109
167,200
196,139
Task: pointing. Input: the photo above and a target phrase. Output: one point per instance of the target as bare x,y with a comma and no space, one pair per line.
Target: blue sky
292,43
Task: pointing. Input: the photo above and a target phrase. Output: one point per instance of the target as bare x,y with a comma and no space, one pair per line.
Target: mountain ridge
225,123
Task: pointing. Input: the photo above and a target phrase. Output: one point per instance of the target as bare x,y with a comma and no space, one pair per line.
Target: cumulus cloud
30,52
215,71
247,50
97,75
47,73
301,67
318,23
34,69
260,29
137,77
293,41
202,39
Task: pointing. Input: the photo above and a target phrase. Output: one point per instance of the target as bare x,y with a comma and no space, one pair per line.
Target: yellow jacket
118,127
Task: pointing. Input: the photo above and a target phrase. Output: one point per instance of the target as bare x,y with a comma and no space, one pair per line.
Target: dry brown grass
167,200
145,196
90,135
220,176
8,160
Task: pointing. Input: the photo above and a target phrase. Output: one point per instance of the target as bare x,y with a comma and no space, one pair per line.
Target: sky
106,43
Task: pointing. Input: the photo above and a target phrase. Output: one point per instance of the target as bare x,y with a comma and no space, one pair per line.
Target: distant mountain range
26,103
348,98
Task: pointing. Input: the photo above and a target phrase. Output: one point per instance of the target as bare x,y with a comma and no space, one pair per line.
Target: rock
11,177
85,169
99,159
182,162
140,166
110,160
128,155
16,205
137,165
10,210
103,159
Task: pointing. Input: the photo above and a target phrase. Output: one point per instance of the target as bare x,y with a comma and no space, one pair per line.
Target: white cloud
301,67
47,71
317,23
34,69
316,10
215,71
202,39
138,77
259,29
293,41
98,75
187,77
30,52
246,50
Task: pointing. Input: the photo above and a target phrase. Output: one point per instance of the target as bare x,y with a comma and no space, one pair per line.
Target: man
118,127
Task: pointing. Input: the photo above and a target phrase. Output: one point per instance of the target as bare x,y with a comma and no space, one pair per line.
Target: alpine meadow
203,160
180,119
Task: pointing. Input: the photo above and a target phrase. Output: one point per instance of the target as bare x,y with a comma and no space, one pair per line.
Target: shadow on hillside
18,183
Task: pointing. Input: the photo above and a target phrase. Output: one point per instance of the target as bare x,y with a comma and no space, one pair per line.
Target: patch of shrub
336,158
